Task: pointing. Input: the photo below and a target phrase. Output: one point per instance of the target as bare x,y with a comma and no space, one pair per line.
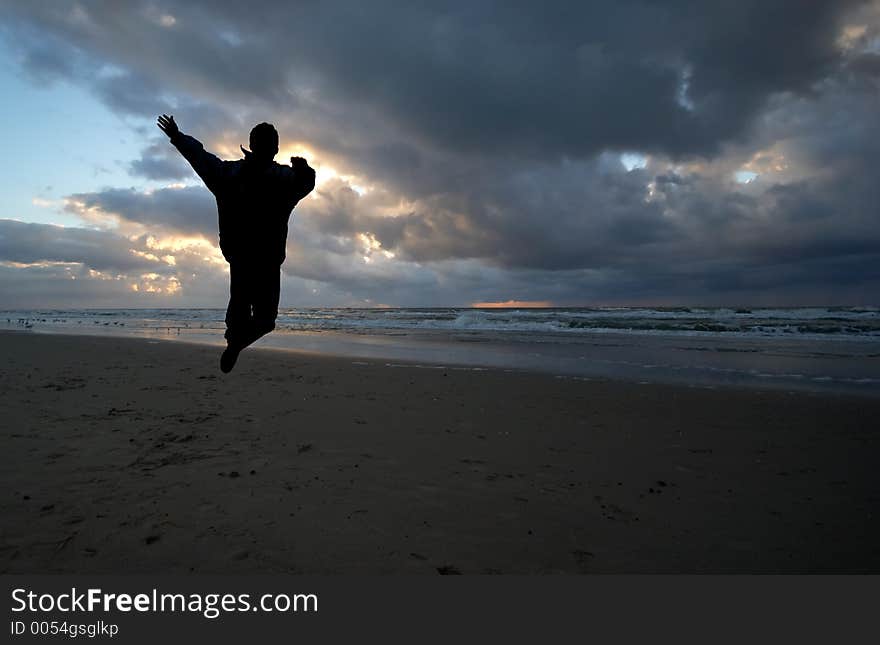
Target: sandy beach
125,455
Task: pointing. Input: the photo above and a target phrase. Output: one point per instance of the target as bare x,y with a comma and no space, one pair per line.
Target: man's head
264,141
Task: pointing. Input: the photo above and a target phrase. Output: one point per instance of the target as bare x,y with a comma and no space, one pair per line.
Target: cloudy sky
602,152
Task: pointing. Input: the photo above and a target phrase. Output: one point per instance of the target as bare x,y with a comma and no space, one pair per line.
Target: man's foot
228,358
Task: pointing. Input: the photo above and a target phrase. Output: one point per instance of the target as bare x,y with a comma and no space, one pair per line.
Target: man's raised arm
206,165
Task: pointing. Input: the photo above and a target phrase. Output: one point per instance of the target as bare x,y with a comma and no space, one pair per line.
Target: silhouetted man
255,197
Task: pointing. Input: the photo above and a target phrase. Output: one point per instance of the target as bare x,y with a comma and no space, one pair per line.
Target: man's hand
168,126
298,163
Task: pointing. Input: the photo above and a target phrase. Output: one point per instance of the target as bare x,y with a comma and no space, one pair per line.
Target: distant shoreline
791,364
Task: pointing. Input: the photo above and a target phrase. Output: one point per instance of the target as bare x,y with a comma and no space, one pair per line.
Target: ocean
812,348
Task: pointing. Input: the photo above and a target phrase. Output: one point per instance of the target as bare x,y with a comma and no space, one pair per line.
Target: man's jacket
254,200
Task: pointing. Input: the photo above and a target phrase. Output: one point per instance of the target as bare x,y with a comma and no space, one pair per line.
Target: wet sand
124,455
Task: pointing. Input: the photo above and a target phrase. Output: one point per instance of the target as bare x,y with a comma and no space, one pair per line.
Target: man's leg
260,285
239,321
267,293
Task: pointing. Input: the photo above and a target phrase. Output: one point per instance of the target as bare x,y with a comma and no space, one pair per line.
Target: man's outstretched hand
299,163
168,126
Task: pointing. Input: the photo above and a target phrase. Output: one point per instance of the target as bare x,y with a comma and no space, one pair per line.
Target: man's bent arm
303,177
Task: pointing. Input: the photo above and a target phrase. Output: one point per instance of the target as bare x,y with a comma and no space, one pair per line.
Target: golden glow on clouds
146,256
324,172
371,245
42,264
296,149
160,248
513,304
165,249
91,214
157,284
850,36
145,283
167,259
176,244
101,275
766,161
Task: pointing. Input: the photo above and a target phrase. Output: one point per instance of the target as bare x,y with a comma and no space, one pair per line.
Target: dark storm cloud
545,80
190,210
130,93
160,161
33,243
580,214
35,286
488,78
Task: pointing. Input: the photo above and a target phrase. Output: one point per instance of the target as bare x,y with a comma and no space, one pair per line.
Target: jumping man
255,197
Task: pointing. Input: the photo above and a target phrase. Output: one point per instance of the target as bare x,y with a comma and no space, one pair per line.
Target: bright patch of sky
58,140
633,160
745,176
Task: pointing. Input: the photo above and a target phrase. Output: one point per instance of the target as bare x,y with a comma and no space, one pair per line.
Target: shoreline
126,455
757,365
